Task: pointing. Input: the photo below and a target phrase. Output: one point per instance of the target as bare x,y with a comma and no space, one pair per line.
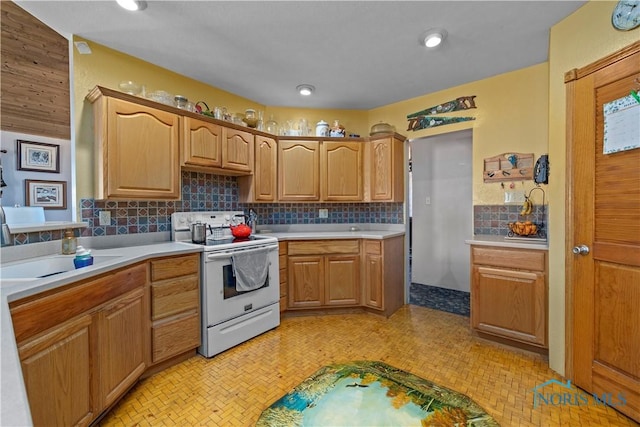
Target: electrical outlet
105,218
514,197
323,213
427,201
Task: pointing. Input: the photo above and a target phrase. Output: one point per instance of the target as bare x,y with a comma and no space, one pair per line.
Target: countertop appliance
239,280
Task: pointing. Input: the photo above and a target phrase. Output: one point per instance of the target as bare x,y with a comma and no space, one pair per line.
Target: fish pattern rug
370,393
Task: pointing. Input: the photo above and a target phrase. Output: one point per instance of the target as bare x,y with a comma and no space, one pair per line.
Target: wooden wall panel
35,76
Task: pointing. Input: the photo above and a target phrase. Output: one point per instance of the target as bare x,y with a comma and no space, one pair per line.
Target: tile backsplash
494,219
207,192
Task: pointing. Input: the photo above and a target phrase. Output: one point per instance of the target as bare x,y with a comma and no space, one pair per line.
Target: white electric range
230,315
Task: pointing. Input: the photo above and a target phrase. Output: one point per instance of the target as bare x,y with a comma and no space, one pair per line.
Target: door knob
581,250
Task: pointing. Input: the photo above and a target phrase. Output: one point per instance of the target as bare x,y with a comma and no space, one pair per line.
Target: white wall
442,171
14,192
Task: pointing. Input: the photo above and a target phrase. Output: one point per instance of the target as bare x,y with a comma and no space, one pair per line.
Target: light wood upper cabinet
237,150
509,294
201,143
384,169
137,149
262,186
341,171
298,170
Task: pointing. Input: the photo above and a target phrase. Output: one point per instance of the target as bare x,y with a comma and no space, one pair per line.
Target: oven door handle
228,254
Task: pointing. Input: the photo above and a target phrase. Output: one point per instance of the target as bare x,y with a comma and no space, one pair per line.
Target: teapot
240,231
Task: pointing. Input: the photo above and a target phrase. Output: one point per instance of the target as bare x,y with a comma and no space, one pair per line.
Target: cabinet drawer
175,296
175,337
319,247
510,258
372,247
174,267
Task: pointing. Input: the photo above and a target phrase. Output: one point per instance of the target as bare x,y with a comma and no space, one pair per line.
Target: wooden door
57,373
341,171
142,152
306,281
121,327
202,143
298,170
237,150
342,280
604,216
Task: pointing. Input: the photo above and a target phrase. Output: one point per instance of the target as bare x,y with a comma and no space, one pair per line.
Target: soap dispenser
69,243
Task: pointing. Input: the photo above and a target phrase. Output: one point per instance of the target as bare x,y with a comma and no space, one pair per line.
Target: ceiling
357,54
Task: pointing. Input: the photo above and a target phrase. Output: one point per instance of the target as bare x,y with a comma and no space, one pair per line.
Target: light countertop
500,241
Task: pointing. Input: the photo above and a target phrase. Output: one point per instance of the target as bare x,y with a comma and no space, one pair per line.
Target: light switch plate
105,218
323,213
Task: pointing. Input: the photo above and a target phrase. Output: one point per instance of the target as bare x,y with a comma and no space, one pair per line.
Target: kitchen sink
46,266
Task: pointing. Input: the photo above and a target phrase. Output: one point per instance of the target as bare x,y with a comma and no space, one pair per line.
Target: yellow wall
511,116
578,40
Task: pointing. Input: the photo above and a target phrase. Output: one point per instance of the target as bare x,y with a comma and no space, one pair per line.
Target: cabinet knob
581,250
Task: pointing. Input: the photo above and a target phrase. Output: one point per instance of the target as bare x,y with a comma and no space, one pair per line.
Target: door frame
570,79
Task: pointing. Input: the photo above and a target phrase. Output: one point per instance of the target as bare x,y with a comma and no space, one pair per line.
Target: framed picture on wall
38,156
47,194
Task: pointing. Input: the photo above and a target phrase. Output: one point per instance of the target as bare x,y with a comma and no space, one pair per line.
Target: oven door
221,299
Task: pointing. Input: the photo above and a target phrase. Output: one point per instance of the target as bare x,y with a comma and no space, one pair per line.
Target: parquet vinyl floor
233,388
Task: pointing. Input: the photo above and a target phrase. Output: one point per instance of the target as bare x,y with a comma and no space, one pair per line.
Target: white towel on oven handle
250,268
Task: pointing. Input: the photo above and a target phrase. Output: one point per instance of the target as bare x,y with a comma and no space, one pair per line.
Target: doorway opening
440,206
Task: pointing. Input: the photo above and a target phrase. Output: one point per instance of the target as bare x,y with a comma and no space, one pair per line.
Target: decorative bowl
381,128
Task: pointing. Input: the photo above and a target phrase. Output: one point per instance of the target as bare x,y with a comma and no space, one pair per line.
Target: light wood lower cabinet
383,268
282,262
82,347
175,306
323,273
57,374
121,325
509,294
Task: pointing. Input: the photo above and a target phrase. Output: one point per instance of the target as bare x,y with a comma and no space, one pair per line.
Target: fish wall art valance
425,118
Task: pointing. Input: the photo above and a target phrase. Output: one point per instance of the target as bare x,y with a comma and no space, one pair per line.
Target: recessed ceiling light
305,90
132,5
432,38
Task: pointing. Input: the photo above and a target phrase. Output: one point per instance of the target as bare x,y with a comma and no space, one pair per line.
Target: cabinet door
385,170
57,374
142,146
342,280
202,143
265,174
509,303
121,326
237,150
373,277
298,170
306,281
341,171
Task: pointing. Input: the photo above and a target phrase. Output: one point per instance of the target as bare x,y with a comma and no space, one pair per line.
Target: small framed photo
47,194
38,156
